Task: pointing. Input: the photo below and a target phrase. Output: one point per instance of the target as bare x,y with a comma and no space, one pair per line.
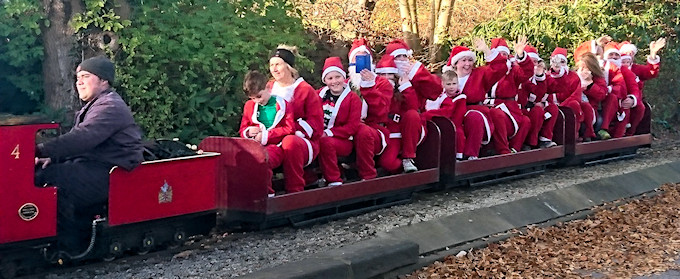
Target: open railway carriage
492,169
243,169
160,202
607,150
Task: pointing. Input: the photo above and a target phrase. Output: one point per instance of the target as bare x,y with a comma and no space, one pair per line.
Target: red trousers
620,126
476,125
368,142
610,105
404,138
588,119
294,153
331,148
636,115
541,125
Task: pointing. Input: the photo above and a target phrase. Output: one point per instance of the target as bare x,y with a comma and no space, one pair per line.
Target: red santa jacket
453,108
425,84
646,72
377,96
504,92
481,79
283,122
596,91
305,107
345,115
532,90
616,83
565,88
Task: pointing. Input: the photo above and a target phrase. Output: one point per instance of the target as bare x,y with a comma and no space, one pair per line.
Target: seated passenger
594,89
342,117
403,123
78,162
452,105
265,118
300,149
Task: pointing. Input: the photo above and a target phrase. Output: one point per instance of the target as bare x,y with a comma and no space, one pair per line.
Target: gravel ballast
233,254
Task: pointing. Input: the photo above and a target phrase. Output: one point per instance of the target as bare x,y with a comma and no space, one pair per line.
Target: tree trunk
60,59
440,32
414,40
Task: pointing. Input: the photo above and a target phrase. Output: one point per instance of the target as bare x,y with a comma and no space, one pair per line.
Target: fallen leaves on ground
636,238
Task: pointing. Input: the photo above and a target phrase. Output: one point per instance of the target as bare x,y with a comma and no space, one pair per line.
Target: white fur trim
559,56
364,109
331,69
306,127
265,136
459,155
547,115
245,132
462,54
593,47
328,132
532,97
621,115
387,70
401,51
626,57
414,70
539,78
356,50
606,53
435,104
505,109
502,48
367,83
299,134
523,58
286,92
629,48
404,86
458,97
534,56
383,141
395,135
447,68
635,101
609,89
336,108
653,60
491,56
487,127
310,151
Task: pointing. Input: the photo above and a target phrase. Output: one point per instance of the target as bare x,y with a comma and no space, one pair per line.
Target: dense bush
21,55
569,25
183,62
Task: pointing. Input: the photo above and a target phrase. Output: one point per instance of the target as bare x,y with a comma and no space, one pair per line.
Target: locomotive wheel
177,239
115,249
8,270
147,244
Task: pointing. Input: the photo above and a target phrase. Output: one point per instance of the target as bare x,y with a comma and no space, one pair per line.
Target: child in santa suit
265,119
371,137
594,89
564,86
452,105
624,93
533,99
643,73
503,96
342,116
474,82
425,84
301,148
404,123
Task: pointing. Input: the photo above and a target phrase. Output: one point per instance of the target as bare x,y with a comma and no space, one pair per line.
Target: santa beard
616,62
354,78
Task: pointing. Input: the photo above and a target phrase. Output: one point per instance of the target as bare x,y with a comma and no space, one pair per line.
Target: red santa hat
499,44
398,47
357,46
585,47
458,53
611,47
627,49
559,53
532,52
386,65
332,64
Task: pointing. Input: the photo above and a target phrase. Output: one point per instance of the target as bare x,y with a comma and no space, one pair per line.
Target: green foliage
98,14
21,55
183,62
568,25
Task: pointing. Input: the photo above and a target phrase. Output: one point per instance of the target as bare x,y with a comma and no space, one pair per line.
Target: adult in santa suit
371,137
452,105
404,124
342,116
595,47
474,82
268,127
564,85
533,99
594,89
426,85
624,93
503,96
300,149
643,72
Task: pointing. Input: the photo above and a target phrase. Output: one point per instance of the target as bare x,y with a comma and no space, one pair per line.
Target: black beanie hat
99,66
